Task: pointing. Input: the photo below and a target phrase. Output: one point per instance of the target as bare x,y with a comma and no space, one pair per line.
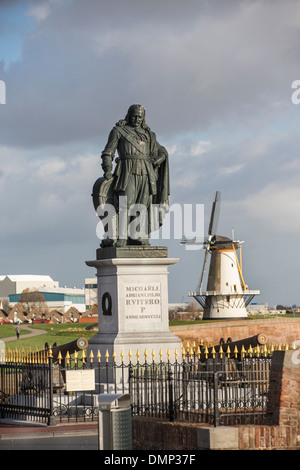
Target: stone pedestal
133,304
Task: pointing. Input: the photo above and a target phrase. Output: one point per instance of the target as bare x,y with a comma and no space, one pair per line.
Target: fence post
171,403
130,380
51,419
216,407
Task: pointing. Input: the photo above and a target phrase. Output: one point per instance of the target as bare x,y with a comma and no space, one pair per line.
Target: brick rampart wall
280,330
154,434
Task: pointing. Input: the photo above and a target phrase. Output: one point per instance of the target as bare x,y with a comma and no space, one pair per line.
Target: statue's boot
121,242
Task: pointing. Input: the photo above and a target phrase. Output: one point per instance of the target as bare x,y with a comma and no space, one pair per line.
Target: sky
216,80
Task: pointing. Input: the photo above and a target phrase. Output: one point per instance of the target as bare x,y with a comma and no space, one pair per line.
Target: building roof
62,290
27,277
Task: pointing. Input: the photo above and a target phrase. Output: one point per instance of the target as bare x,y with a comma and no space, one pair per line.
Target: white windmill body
226,295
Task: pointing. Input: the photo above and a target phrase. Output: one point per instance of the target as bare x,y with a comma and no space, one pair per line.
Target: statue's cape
163,182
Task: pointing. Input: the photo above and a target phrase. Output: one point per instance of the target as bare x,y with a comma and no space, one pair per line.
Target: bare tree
32,299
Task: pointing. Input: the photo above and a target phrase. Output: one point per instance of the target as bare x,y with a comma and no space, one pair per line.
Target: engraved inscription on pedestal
142,304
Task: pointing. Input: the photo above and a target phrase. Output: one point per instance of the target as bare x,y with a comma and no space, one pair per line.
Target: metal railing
218,391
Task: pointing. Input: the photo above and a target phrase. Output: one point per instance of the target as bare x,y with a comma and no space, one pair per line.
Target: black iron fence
219,391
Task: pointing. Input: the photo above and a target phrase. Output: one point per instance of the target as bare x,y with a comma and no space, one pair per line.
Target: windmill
226,295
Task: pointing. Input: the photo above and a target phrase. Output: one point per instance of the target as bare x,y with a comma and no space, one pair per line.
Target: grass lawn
67,332
7,330
60,333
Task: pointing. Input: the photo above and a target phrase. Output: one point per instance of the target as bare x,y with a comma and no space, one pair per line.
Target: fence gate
26,391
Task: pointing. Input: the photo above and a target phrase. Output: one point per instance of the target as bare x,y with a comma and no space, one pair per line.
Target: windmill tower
226,295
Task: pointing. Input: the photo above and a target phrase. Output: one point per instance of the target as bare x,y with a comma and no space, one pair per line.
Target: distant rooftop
27,277
63,290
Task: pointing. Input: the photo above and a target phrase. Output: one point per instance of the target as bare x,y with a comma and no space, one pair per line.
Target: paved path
24,327
60,437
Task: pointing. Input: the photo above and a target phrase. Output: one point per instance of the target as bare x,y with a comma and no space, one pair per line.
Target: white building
17,283
258,308
91,292
57,298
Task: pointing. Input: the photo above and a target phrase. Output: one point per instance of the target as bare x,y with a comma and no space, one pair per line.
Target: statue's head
136,116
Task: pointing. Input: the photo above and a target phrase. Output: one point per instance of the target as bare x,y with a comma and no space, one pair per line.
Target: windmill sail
213,224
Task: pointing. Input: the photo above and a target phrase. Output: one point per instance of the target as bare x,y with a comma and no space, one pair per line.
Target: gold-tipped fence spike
160,354
67,357
146,354
59,357
138,355
75,356
129,355
98,356
153,354
106,355
221,352
114,355
168,354
91,356
183,352
176,354
83,355
122,355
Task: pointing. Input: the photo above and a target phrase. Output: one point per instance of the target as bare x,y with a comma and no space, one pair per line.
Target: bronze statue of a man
140,178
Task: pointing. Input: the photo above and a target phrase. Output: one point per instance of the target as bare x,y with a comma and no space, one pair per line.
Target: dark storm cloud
215,78
86,62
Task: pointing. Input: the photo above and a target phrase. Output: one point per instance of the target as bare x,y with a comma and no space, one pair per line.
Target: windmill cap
221,241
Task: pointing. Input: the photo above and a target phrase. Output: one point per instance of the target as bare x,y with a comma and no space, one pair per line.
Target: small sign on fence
80,380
